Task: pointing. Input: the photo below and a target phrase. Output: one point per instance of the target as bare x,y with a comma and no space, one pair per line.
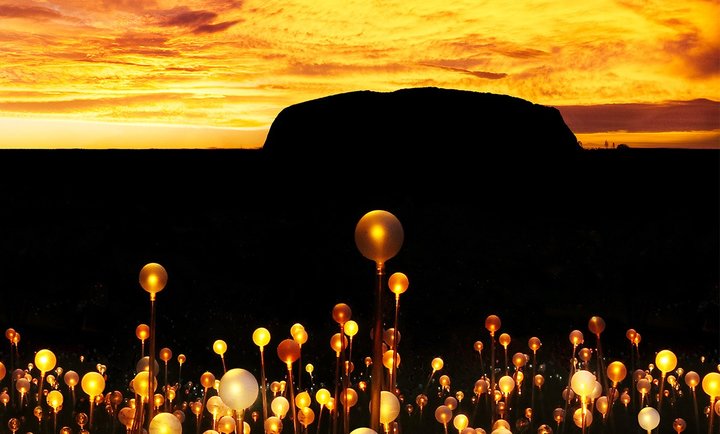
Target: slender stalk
377,370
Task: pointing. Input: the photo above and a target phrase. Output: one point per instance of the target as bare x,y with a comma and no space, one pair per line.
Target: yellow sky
143,71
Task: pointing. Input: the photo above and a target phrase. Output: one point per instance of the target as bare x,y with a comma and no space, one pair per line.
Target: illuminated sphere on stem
451,402
578,418
322,396
665,361
616,371
596,325
648,418
363,431
226,424
142,332
379,236
351,328
576,337
261,337
54,399
443,414
306,416
303,399
153,278
141,385
460,422
71,378
349,397
207,379
144,363
45,360
165,354
506,384
504,339
692,379
437,364
273,425
219,347
679,425
341,313
388,359
711,385
492,323
93,384
583,383
280,406
534,343
165,423
238,389
398,283
288,351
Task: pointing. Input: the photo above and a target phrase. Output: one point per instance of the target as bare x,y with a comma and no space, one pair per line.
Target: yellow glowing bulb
261,337
437,364
219,346
351,328
666,361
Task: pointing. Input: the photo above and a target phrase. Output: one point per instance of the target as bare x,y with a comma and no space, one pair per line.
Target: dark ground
629,235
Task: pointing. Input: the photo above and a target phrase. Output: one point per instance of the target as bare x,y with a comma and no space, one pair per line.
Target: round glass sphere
153,278
238,389
341,313
45,360
648,418
351,328
142,331
576,337
219,347
534,343
596,325
443,414
261,337
288,351
437,364
711,384
583,383
665,361
280,406
54,399
616,371
93,384
379,236
165,423
322,396
504,340
460,422
165,354
679,425
398,283
492,323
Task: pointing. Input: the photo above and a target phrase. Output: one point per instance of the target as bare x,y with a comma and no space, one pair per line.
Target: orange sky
215,73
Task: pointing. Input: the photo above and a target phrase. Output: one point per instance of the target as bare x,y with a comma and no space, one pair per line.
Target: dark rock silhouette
417,126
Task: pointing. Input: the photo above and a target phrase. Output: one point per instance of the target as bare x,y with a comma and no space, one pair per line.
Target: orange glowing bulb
398,283
142,332
492,323
165,354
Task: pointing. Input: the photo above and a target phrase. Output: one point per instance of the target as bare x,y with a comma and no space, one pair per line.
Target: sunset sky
215,73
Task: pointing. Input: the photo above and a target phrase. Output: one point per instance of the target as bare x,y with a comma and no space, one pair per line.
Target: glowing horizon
160,73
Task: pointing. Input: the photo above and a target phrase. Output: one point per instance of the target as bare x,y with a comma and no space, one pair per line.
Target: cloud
190,19
694,115
479,74
214,28
33,12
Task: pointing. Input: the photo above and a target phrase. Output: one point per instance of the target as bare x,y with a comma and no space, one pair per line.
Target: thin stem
377,370
263,386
